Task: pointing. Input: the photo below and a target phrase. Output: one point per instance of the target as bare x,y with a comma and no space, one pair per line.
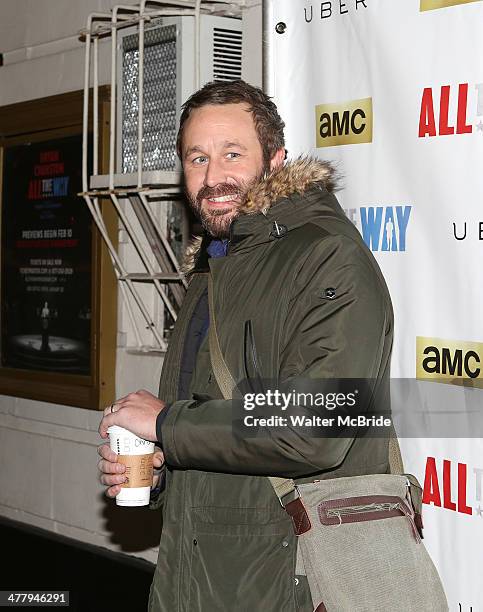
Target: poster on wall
46,259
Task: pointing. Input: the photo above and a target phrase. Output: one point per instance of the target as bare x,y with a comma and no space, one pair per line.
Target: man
296,294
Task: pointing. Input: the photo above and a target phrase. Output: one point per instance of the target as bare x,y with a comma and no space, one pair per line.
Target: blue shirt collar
217,247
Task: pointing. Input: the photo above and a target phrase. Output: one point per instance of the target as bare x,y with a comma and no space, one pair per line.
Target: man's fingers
113,418
107,467
158,459
116,404
110,480
113,491
104,450
144,392
106,422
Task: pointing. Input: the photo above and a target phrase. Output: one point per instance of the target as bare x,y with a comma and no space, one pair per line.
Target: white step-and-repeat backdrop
392,91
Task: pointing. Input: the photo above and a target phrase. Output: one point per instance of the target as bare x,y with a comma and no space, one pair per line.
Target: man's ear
278,159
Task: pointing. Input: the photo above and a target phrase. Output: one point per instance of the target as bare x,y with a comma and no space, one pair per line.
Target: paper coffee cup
137,455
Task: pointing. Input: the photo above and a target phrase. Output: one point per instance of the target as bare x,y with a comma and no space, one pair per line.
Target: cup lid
115,429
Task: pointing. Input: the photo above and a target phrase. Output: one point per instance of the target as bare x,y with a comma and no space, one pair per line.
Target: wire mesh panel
159,123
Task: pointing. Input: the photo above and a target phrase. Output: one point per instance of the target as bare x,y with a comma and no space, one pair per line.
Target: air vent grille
227,54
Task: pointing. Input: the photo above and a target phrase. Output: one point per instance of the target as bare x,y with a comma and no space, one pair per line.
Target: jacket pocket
242,566
303,599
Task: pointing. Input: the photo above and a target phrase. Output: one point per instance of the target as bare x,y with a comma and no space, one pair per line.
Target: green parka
226,544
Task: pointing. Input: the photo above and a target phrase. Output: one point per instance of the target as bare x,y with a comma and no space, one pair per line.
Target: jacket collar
272,207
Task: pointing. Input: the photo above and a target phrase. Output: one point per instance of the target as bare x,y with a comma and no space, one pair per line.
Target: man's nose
214,174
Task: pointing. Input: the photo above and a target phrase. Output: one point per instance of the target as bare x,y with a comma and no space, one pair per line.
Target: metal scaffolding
139,189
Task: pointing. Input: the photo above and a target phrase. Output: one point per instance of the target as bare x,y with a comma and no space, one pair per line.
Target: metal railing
138,188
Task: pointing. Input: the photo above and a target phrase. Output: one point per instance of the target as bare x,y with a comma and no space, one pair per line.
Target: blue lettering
60,186
402,213
371,226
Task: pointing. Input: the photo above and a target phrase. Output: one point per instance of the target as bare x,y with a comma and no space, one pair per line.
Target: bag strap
396,464
281,486
220,369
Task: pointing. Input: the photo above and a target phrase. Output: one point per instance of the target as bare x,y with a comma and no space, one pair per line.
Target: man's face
222,158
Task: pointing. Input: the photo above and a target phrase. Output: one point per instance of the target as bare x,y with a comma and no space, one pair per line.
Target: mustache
223,189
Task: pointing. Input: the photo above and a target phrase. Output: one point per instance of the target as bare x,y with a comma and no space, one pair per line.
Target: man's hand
112,472
136,412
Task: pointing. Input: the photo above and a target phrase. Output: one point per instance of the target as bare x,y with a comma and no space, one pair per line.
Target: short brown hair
268,123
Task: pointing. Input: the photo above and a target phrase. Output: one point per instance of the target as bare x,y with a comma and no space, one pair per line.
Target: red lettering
427,124
444,128
447,502
47,244
462,507
431,494
461,126
49,169
49,156
34,191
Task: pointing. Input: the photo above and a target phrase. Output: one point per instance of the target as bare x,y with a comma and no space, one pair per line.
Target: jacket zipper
251,353
256,367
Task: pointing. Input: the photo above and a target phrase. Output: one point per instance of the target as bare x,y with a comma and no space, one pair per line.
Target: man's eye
199,160
233,155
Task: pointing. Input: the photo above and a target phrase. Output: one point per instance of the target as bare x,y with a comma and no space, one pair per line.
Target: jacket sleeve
156,500
338,333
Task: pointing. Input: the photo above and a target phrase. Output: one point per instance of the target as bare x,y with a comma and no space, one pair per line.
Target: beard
217,221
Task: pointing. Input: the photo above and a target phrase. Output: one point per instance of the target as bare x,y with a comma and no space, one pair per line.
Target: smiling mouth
222,199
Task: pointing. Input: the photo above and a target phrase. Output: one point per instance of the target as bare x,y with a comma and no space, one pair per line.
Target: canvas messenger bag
359,537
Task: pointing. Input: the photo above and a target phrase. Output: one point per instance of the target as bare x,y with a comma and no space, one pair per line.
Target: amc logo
429,5
450,362
343,123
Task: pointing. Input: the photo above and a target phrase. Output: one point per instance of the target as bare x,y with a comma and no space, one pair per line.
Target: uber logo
460,231
447,361
343,123
330,8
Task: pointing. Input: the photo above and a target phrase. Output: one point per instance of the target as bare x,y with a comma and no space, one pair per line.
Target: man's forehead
228,107
226,123
220,115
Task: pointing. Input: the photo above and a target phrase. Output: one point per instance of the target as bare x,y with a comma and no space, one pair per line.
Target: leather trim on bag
352,510
301,521
418,519
356,517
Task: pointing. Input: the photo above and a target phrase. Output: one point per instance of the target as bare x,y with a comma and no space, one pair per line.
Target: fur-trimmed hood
294,177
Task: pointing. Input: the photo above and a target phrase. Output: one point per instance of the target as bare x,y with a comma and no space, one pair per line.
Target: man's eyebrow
228,144
233,143
195,149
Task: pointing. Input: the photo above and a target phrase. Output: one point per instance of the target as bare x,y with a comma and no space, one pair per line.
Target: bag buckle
299,515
